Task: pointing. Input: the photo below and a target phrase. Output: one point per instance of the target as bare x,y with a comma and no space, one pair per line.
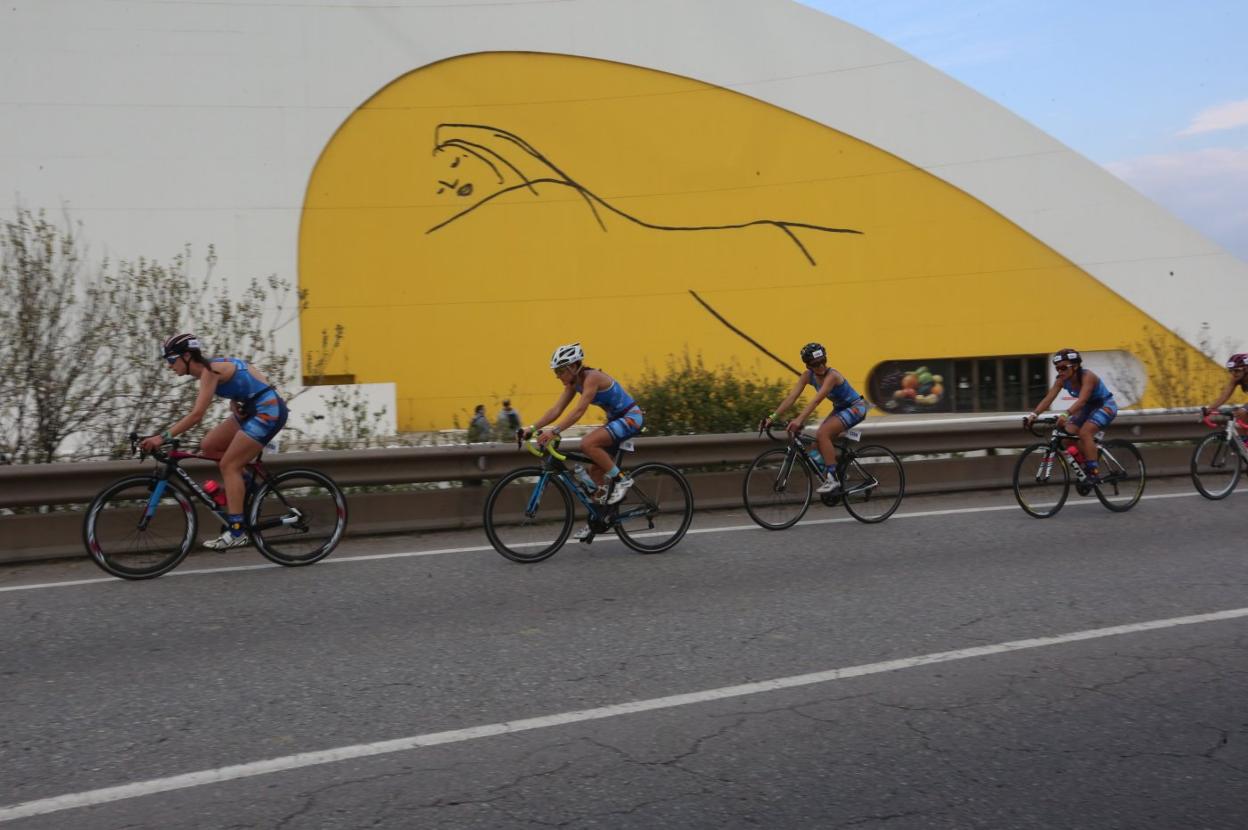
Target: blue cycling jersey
843,395
613,400
243,386
1100,395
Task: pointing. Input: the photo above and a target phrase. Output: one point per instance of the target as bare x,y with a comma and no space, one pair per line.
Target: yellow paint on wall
478,212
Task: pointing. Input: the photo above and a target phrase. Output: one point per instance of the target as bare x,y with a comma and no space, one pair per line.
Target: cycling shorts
264,419
853,414
1101,416
627,425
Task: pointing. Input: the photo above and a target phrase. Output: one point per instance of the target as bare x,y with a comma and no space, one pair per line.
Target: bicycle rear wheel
123,544
298,517
1041,481
777,489
528,515
656,510
873,484
1122,475
1215,467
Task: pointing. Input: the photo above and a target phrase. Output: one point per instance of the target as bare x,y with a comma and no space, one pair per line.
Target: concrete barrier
1165,440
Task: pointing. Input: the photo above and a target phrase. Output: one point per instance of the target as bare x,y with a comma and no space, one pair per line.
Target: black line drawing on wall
742,334
517,165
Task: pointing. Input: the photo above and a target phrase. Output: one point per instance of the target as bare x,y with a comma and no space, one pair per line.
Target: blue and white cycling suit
847,405
262,412
1100,407
624,416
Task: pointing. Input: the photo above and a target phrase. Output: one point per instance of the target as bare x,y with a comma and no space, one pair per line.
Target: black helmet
179,344
1067,354
812,352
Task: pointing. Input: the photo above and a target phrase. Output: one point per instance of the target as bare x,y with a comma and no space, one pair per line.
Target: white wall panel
161,122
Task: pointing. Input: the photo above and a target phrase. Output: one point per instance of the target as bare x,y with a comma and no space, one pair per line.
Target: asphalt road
509,680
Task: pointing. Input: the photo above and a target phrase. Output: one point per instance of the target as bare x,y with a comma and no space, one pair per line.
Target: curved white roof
161,123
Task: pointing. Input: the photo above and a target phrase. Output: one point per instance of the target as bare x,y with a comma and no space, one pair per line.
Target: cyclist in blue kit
624,417
848,408
259,414
1093,410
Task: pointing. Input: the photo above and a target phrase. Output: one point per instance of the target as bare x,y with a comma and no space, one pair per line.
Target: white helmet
567,355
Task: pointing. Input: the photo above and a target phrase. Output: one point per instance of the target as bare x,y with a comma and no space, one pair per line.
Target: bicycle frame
1056,437
553,465
799,447
1232,439
169,465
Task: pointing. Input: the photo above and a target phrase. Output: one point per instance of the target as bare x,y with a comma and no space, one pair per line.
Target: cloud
1222,117
1204,188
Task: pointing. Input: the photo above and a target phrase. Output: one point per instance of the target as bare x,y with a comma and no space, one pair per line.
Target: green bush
690,398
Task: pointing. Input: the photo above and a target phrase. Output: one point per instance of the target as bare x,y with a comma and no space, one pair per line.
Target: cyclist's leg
597,446
835,425
599,443
248,442
1240,414
1097,420
618,430
218,439
825,437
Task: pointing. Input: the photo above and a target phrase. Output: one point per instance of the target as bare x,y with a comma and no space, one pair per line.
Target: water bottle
583,478
816,458
1073,452
214,489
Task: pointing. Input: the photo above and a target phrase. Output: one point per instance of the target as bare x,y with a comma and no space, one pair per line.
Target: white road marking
218,775
919,514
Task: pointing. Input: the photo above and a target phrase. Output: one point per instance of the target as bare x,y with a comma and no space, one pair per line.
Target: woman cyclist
624,418
259,414
848,408
1237,368
1093,410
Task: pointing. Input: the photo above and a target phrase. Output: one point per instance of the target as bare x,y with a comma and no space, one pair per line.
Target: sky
1156,92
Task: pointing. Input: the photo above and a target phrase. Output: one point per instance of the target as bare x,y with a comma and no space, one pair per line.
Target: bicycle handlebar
135,438
1043,420
768,428
550,448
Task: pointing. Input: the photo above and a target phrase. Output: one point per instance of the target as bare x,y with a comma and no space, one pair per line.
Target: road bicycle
1044,471
529,512
142,526
780,482
1220,456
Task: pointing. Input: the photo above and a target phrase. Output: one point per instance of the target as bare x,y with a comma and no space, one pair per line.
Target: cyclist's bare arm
1047,400
831,379
565,398
1225,396
594,382
802,380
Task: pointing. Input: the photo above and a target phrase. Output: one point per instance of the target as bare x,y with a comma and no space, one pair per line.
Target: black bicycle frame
600,514
169,464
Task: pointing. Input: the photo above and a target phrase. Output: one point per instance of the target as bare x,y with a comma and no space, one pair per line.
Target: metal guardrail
50,484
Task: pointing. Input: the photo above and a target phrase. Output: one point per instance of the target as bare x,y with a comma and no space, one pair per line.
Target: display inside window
1011,383
907,386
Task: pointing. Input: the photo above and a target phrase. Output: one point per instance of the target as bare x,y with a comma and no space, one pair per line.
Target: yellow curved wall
602,194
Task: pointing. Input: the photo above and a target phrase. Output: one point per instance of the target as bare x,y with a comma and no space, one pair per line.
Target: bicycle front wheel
656,510
777,489
1041,481
1122,475
528,515
298,517
873,484
1215,467
132,532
